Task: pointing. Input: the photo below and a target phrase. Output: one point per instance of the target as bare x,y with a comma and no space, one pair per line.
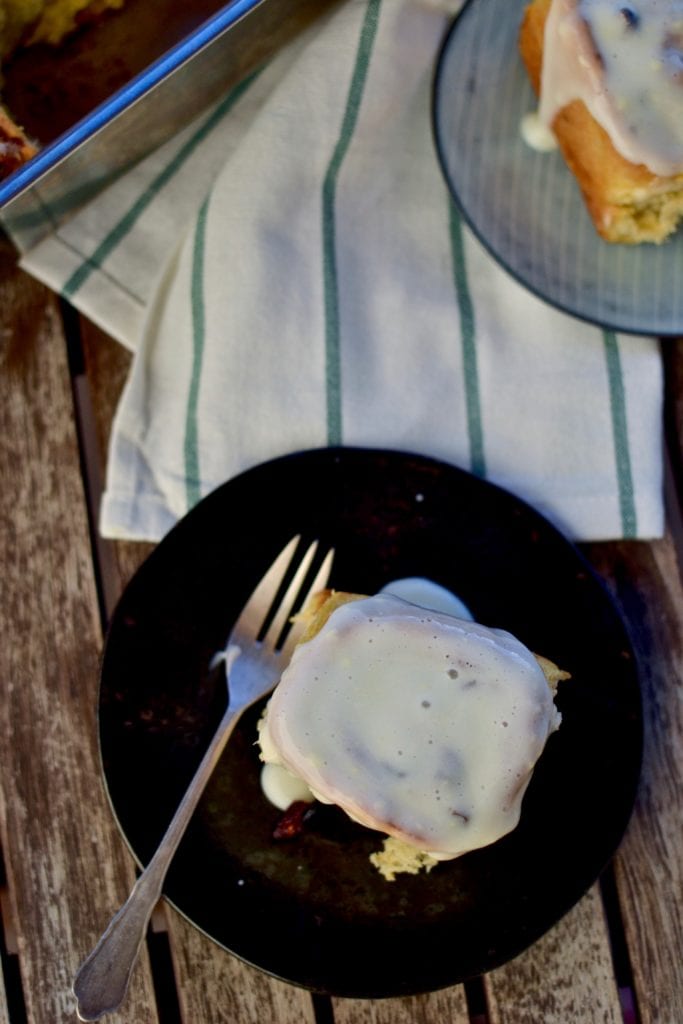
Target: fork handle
102,979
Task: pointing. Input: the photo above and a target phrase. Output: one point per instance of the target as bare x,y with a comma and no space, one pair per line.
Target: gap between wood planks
618,946
106,578
92,474
673,451
9,959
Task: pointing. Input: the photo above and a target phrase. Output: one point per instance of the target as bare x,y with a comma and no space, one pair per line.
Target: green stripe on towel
475,429
127,222
192,479
622,454
330,281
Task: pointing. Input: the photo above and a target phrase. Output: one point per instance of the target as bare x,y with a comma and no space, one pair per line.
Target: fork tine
318,583
250,618
284,610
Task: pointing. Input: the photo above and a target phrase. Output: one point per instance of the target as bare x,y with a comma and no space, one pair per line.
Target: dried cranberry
630,16
291,824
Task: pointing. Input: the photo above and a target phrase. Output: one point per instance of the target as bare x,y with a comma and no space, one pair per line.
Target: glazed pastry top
416,723
625,62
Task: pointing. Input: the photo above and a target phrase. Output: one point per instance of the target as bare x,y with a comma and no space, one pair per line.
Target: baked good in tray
609,76
15,147
24,23
421,726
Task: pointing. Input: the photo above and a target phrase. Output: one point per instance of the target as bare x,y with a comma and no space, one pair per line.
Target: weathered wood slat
449,1006
566,976
212,985
231,992
106,365
646,582
9,936
4,1012
66,865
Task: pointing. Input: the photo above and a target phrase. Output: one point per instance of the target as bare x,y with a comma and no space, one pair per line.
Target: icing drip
625,62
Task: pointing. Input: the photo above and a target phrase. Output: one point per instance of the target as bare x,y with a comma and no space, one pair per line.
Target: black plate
313,911
525,206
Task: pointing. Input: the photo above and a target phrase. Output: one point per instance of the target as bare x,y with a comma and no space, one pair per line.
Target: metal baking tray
120,87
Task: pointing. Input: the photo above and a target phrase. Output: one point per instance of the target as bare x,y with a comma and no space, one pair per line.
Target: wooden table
617,956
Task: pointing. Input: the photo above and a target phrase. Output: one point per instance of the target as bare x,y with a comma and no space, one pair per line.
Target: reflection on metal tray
121,87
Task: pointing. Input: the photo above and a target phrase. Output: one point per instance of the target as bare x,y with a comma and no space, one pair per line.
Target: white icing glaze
625,62
428,594
418,724
278,785
281,788
536,134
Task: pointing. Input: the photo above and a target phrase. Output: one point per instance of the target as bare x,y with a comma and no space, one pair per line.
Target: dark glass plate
312,910
525,206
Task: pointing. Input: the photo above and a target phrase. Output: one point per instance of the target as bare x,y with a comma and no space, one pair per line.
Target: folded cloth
290,272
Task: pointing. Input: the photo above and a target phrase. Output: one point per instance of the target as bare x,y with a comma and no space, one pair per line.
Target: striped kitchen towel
290,272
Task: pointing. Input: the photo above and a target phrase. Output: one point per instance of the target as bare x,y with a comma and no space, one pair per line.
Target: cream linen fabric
290,272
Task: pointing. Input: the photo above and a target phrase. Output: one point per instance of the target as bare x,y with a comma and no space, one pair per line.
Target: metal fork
253,667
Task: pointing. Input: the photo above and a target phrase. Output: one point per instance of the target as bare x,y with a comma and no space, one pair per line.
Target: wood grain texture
213,987
231,992
445,1007
10,946
566,976
646,583
106,366
67,868
4,1012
